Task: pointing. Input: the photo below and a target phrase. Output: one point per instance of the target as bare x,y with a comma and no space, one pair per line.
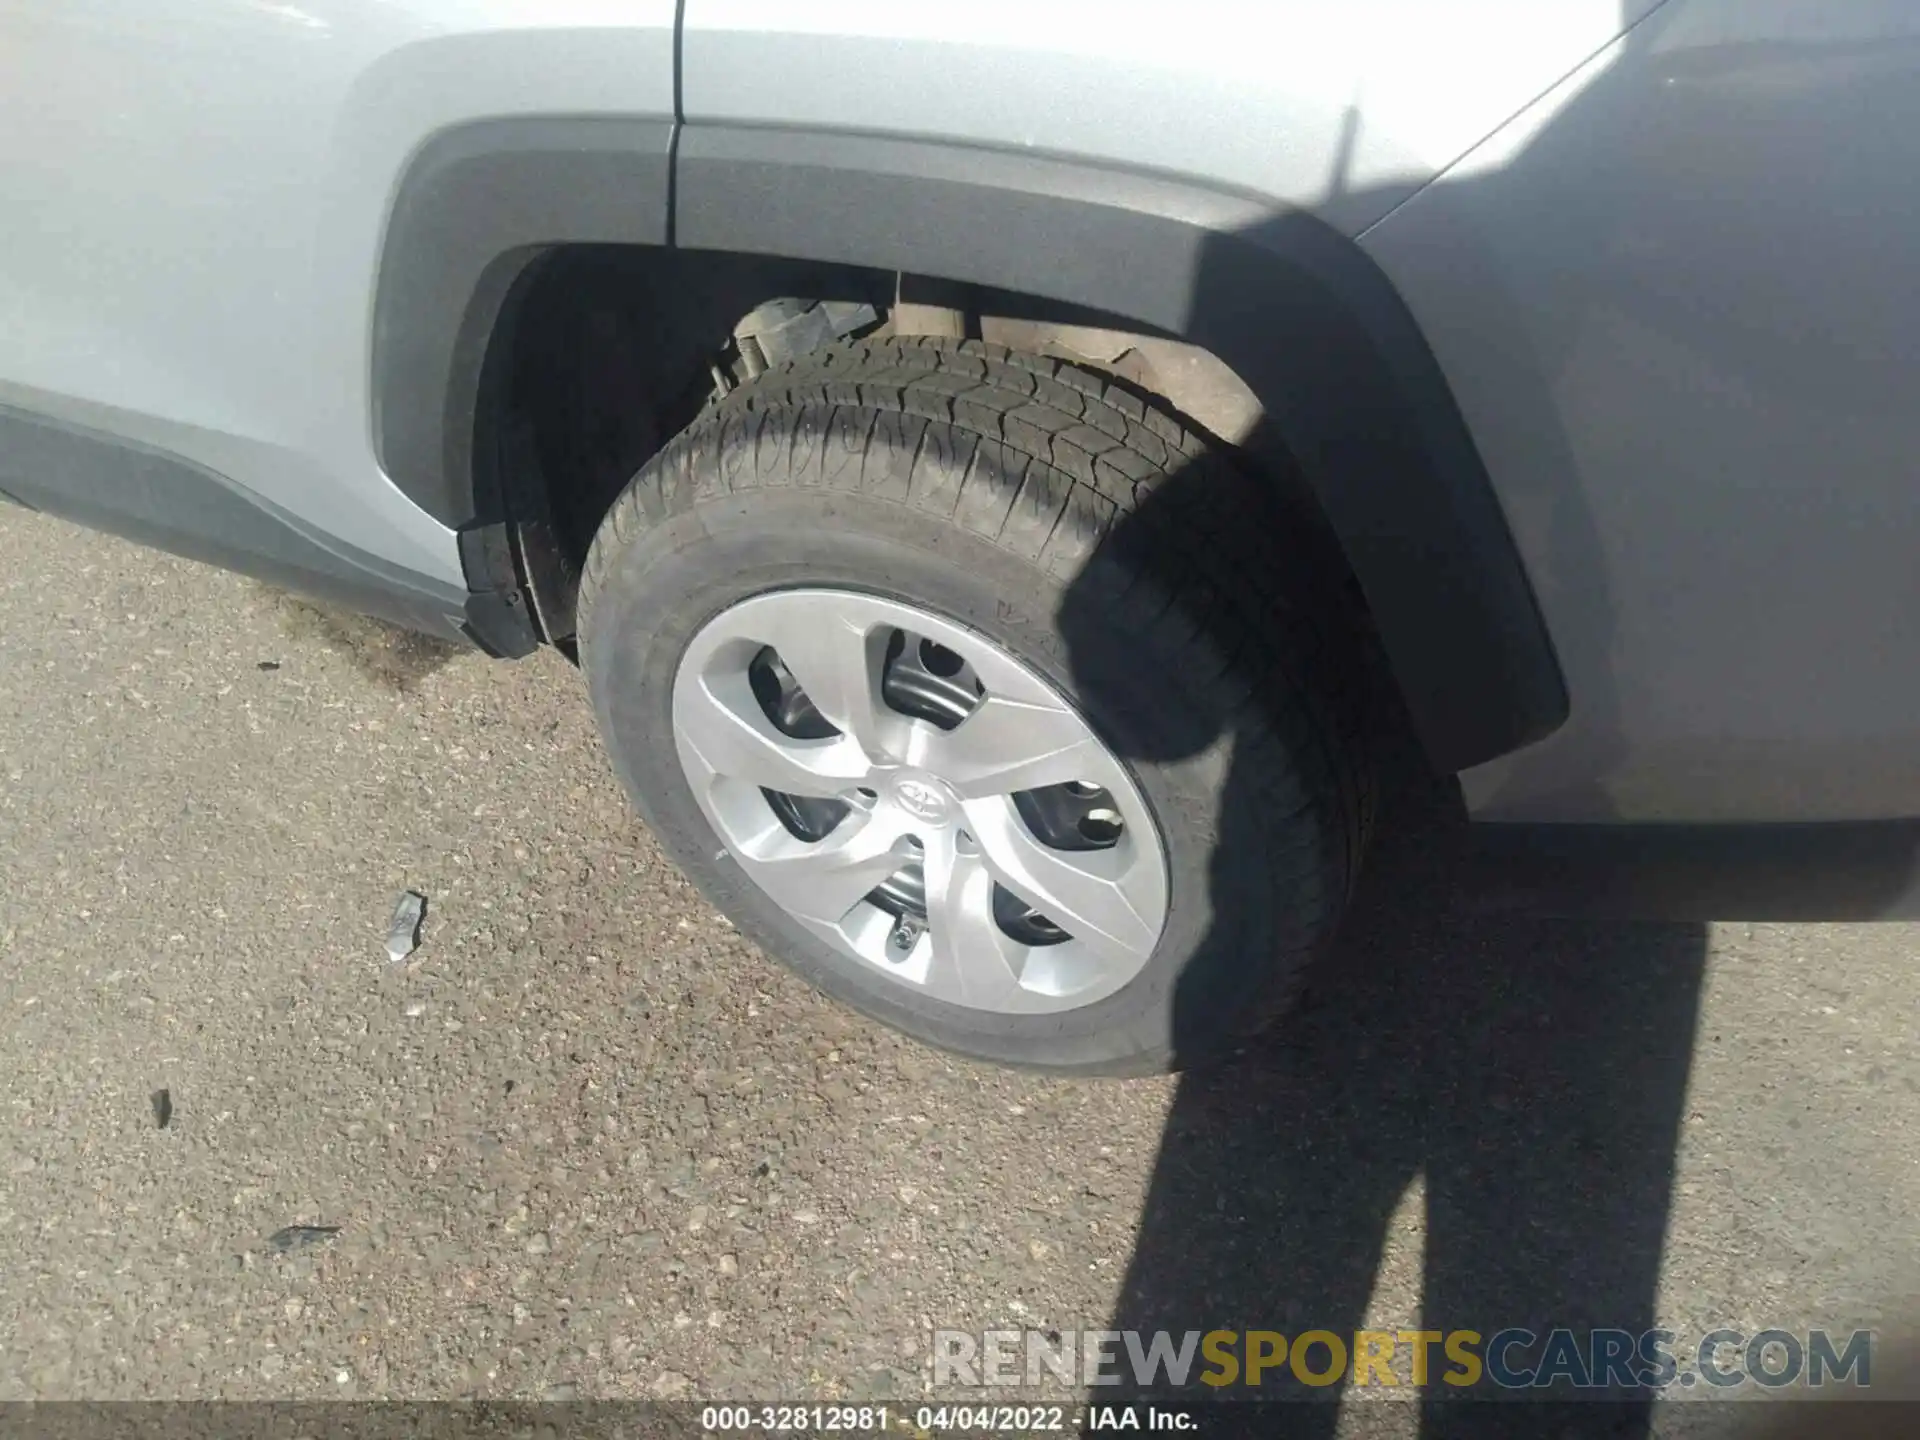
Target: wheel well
604,353
494,215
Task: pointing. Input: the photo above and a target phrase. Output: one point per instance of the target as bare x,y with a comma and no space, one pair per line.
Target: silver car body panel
1338,108
1677,304
204,186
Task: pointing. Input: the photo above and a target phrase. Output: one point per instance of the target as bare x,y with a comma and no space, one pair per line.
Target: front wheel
944,673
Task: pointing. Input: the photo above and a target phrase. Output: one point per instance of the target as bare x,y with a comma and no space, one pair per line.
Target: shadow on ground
1528,1075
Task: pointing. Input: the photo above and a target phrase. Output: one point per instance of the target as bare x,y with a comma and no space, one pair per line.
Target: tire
1096,539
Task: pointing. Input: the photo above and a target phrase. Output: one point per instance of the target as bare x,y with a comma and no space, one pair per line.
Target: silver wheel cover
922,802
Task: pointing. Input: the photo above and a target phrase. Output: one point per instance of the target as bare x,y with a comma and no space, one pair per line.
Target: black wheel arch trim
474,208
1296,309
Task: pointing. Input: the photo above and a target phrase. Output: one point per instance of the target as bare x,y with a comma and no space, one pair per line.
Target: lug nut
907,931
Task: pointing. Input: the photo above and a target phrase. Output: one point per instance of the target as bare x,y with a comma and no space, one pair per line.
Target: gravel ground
588,1142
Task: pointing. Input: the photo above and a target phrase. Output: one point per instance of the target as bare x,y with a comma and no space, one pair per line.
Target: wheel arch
1296,310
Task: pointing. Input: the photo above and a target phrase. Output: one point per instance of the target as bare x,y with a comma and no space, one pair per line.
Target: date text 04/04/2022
1039,1419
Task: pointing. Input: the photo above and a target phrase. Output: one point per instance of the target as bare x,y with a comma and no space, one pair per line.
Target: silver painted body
1340,108
1679,305
1663,253
195,192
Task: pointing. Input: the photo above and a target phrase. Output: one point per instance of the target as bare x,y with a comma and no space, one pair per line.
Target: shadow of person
1527,1075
